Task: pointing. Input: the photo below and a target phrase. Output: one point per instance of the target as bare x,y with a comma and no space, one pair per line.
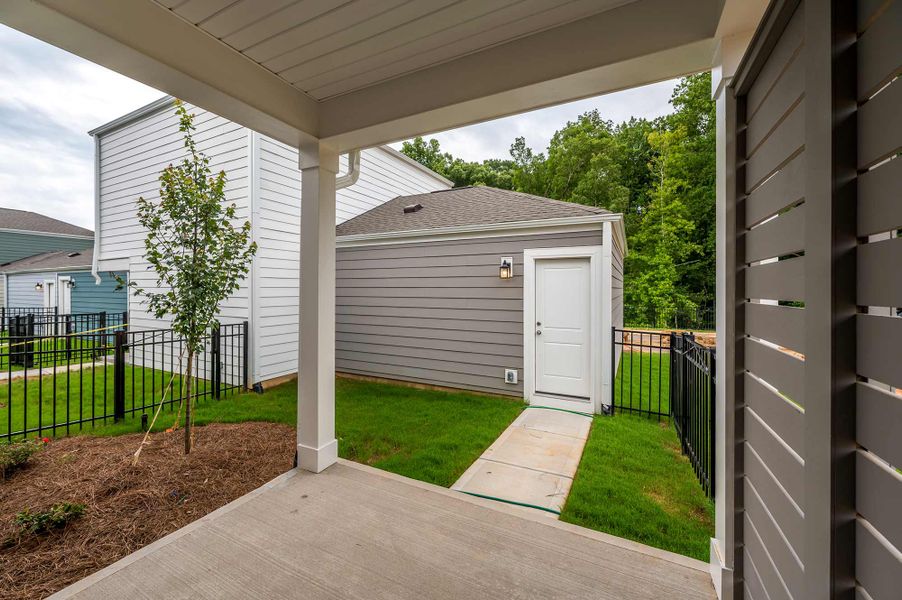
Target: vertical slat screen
771,145
878,479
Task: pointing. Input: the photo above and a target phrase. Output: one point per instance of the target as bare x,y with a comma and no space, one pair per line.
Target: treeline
659,173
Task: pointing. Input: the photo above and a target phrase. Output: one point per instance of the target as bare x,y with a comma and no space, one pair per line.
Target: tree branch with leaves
199,256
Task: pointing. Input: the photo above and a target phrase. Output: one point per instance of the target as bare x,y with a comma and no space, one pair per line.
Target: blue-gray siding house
24,234
63,279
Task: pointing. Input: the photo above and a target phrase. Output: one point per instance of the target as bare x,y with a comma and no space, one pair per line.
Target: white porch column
726,60
317,446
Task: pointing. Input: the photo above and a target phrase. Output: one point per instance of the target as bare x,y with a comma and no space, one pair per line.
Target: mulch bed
127,507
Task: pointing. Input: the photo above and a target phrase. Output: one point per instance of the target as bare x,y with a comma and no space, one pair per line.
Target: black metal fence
642,382
693,381
9,313
114,374
669,375
700,318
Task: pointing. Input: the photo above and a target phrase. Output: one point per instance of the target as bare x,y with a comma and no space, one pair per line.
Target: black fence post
2,319
69,330
119,376
712,425
613,366
216,375
244,366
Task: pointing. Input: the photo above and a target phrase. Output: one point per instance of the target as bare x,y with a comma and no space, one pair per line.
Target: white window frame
599,321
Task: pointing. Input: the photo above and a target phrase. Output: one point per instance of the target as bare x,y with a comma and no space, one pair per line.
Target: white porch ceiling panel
326,48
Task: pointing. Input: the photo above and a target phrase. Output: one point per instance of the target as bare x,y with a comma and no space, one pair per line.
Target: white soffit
330,47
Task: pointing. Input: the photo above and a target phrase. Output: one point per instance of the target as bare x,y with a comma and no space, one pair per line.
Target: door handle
538,332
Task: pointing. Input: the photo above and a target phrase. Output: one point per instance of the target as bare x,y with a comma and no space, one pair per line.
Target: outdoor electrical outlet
510,375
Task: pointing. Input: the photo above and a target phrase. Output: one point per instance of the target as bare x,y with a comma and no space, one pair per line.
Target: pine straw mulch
127,507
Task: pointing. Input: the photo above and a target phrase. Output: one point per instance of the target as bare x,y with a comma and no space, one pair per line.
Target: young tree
199,257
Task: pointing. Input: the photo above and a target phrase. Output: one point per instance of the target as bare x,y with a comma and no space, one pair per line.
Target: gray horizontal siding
21,292
14,246
436,312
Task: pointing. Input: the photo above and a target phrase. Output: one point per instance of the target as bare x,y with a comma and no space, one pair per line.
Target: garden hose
514,502
575,412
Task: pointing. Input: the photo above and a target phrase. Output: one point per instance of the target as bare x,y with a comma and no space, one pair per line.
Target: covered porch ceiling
356,73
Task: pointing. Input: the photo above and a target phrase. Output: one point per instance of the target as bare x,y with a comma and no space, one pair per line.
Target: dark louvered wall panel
878,482
773,272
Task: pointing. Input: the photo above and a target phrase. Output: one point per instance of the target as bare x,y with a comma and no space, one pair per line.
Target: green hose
575,412
514,502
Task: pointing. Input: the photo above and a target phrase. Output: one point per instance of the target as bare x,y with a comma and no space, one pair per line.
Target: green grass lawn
643,382
428,435
52,352
633,482
76,395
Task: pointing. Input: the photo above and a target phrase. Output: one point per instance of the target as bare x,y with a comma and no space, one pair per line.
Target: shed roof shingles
58,259
24,220
460,207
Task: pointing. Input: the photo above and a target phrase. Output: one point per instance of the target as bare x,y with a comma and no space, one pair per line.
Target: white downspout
96,256
349,178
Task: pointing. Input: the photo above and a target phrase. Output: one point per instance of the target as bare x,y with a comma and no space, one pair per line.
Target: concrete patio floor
356,532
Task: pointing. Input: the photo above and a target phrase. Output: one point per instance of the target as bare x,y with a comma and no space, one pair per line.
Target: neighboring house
423,294
24,233
264,183
63,279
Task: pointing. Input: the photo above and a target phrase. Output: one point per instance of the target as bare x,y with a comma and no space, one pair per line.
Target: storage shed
483,289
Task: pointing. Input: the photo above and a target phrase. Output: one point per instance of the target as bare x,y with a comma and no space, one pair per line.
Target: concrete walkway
36,373
532,462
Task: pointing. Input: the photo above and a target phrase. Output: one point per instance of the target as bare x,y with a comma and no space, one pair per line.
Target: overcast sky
51,99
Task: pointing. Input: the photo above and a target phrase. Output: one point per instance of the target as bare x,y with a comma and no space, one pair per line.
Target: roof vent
73,254
413,208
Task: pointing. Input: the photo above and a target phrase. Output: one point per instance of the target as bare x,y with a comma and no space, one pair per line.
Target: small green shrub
15,454
56,517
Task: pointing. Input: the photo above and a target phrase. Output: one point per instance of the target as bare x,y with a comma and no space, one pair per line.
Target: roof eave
475,230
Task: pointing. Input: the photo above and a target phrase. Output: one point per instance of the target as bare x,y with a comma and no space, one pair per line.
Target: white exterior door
562,329
65,296
50,296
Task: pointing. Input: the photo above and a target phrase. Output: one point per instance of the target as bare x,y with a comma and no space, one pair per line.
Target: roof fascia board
78,268
463,232
87,238
154,107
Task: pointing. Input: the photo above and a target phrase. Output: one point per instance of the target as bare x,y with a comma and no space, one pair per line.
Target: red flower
46,440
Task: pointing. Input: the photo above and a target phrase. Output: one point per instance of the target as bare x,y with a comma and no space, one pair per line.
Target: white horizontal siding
131,159
383,176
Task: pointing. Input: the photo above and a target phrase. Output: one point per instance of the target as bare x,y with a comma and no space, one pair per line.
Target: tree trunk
188,381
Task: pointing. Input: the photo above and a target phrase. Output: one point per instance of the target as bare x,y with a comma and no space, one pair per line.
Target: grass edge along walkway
634,482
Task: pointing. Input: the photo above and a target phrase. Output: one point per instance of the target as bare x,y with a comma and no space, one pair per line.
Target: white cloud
50,100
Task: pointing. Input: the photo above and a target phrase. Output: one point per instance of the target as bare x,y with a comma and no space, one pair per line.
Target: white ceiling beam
638,43
144,41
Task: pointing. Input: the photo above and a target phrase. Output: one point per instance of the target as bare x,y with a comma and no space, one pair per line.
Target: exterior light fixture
71,283
507,268
39,286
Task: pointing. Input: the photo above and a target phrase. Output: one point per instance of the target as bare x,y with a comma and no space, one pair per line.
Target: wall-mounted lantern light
507,268
71,284
39,286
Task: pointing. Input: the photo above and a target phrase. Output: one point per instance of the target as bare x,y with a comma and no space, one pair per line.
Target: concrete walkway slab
532,462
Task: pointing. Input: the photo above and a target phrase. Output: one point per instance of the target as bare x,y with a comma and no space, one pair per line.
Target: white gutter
96,256
349,178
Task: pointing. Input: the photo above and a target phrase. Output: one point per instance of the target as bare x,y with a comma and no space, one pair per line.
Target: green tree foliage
493,172
660,174
199,257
